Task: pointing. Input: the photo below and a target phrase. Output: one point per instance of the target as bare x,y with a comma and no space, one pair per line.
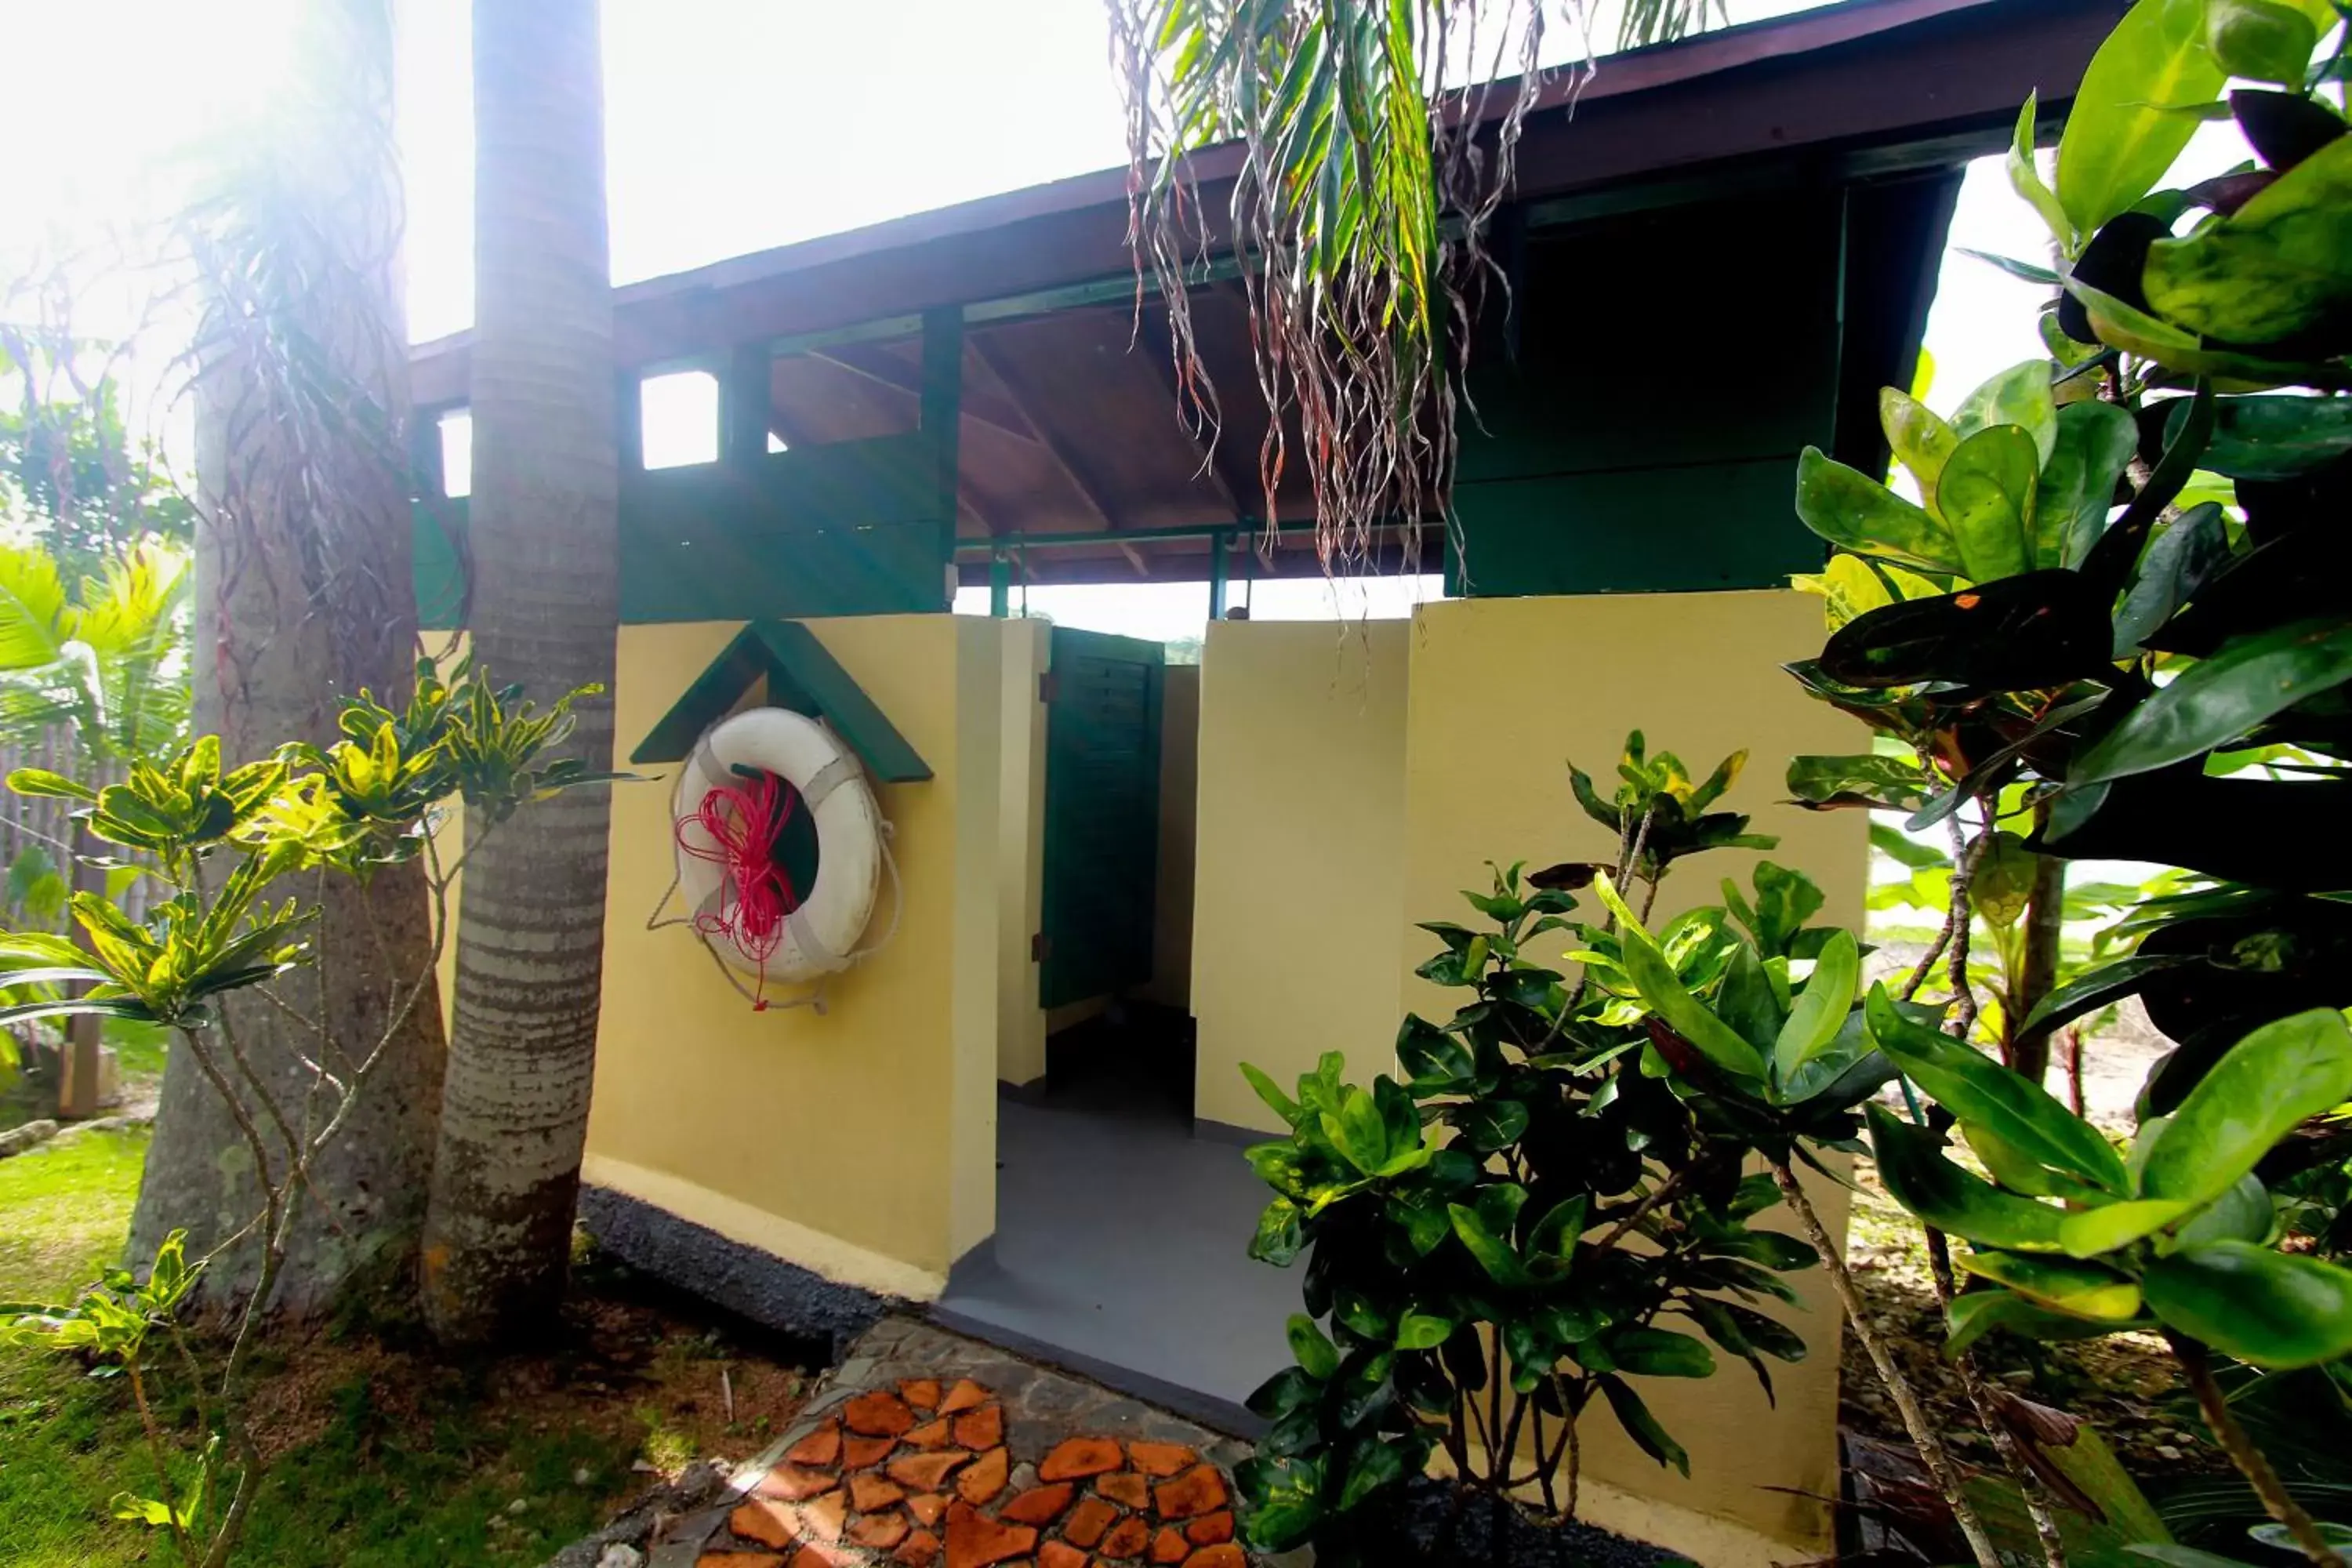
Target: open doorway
1115,907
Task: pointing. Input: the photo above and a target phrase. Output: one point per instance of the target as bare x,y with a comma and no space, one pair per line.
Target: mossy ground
383,1454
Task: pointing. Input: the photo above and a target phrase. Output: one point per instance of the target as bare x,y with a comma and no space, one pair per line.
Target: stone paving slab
926,1449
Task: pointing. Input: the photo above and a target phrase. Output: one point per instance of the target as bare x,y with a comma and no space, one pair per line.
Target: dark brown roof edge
1641,70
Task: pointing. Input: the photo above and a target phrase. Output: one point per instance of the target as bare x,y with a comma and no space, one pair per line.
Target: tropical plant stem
1965,858
1915,1420
2004,1441
155,1451
1657,1195
2250,1461
2038,974
1571,1461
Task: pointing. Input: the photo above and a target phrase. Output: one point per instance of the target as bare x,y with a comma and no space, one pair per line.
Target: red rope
739,824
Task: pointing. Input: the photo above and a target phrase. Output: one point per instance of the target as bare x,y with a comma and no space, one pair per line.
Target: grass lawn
383,1454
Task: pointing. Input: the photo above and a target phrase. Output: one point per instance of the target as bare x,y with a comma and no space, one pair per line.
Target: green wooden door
1102,814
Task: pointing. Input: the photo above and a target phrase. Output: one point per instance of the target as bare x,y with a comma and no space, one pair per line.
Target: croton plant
2103,612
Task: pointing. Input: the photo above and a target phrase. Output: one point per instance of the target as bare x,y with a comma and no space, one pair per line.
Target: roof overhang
1877,85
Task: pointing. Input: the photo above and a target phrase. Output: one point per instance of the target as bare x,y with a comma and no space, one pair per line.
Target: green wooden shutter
1102,814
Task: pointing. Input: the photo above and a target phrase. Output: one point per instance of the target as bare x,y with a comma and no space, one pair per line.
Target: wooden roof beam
1071,469
1152,337
885,372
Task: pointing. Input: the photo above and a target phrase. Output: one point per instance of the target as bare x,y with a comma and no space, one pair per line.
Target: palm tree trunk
304,593
545,612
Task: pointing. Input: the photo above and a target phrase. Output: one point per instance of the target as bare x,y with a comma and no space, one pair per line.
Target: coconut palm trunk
544,613
303,595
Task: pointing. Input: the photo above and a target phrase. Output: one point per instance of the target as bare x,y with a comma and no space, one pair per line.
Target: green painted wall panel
1637,429
846,530
1642,530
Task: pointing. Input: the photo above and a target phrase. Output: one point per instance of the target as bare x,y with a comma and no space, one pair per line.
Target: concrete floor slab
1121,1251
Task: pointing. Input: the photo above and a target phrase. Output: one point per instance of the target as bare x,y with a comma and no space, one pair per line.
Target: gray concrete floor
1120,1251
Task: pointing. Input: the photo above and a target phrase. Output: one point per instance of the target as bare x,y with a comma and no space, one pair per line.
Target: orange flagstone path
839,1497
925,1449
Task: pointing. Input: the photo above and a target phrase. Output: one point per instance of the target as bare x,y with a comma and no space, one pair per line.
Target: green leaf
2100,987
1749,1000
1912,1164
1280,1236
40,782
1281,1164
1487,1125
2078,1289
2025,179
1314,1352
2003,883
2263,1307
1986,497
1901,847
1641,1426
1374,1462
1855,512
1820,1010
2338,1536
2031,272
2021,396
2244,1213
2277,437
2279,266
1280,1103
2088,1233
2262,1089
2120,138
2183,557
1975,1314
2178,1556
1432,1058
1896,783
1424,1331
1662,989
2261,40
1921,440
2020,1173
2215,700
2016,1110
1659,1353
1359,1131
2120,324
1494,1254
1555,1233
141,1510
2096,443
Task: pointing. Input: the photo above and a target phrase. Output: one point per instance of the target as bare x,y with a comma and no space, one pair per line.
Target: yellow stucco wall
1171,919
1021,808
858,1143
1504,690
1298,876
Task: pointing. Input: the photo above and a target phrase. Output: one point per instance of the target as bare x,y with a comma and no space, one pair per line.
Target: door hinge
1049,685
1040,947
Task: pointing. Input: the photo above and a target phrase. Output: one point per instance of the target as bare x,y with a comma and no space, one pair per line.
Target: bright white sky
734,125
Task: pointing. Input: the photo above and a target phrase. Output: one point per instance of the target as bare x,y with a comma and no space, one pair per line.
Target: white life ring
820,937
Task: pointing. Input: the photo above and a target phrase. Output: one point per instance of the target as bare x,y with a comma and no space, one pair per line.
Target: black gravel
743,1280
1427,1527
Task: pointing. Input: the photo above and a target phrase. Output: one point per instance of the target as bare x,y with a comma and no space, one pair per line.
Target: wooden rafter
1055,448
1153,343
883,371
